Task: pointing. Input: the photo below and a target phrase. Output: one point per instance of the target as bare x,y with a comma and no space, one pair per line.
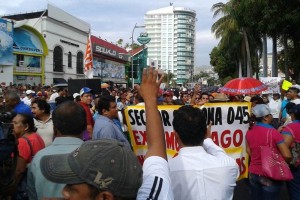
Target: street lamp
135,26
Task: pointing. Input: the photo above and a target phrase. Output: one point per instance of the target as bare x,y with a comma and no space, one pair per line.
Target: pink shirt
295,127
36,142
257,137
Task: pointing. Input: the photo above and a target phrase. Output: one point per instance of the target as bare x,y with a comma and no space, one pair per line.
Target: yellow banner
230,122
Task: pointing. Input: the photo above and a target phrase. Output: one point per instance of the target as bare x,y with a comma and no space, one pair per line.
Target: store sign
27,42
110,52
6,42
143,38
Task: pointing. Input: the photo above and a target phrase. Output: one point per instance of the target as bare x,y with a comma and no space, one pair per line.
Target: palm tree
232,35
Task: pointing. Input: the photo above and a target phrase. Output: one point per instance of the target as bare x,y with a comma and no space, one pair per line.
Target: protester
275,106
105,128
14,104
168,98
292,96
29,96
86,99
201,170
106,169
291,134
67,138
261,186
29,144
43,120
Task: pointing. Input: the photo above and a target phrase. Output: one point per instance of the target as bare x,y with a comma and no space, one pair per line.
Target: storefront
29,51
109,61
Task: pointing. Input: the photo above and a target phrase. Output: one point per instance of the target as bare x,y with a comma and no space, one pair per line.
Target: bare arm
154,128
196,91
285,152
288,139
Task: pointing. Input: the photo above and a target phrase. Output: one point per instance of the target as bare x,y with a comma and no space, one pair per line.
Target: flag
88,59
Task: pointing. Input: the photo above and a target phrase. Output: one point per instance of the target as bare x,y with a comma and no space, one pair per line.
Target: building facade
55,48
172,45
109,61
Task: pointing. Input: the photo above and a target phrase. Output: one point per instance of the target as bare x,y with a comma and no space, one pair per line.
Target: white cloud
115,19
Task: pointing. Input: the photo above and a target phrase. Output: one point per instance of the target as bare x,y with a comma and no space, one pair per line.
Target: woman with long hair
291,134
263,188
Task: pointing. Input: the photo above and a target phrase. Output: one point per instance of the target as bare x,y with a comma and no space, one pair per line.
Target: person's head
40,107
276,96
11,100
23,123
204,97
292,92
293,110
86,95
98,169
29,93
255,100
265,98
61,91
211,97
185,97
190,125
137,98
107,107
168,97
262,113
69,118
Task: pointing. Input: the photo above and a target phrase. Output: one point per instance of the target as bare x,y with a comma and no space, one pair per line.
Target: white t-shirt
203,173
156,180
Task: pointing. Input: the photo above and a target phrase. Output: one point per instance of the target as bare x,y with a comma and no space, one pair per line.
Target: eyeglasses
197,98
204,98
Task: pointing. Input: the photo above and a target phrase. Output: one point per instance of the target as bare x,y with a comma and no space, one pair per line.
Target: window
79,63
58,59
69,60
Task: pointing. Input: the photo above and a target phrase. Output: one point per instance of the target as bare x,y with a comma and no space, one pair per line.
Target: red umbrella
243,86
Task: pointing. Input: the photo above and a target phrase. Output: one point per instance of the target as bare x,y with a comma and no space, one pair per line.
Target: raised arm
154,128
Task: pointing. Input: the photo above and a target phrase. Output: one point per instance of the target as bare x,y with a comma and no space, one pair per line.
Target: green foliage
274,18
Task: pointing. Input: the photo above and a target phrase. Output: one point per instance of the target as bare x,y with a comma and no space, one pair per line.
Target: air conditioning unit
21,63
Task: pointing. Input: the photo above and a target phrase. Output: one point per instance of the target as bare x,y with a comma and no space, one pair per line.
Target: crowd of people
76,146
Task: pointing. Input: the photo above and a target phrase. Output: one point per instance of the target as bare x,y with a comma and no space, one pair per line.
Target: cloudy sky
115,19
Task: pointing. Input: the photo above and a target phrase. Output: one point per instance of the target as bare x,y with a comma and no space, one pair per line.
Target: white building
172,33
54,48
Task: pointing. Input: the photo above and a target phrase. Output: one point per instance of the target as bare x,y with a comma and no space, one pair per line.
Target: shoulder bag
273,164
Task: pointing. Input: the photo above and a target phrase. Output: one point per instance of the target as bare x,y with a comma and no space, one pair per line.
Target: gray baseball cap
261,110
104,164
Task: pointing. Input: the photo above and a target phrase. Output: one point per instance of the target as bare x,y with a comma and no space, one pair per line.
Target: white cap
29,92
76,95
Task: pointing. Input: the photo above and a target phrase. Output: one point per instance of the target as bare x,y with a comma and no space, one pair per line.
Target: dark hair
292,108
94,191
139,97
203,93
28,119
104,103
42,104
258,100
69,118
190,124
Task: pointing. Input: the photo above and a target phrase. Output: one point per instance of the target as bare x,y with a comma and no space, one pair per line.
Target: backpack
8,161
295,150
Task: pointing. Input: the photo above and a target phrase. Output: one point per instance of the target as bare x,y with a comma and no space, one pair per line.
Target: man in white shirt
275,106
292,96
202,170
29,96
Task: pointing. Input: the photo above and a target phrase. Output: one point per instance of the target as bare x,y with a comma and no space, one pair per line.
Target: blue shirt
105,128
38,185
283,109
22,108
